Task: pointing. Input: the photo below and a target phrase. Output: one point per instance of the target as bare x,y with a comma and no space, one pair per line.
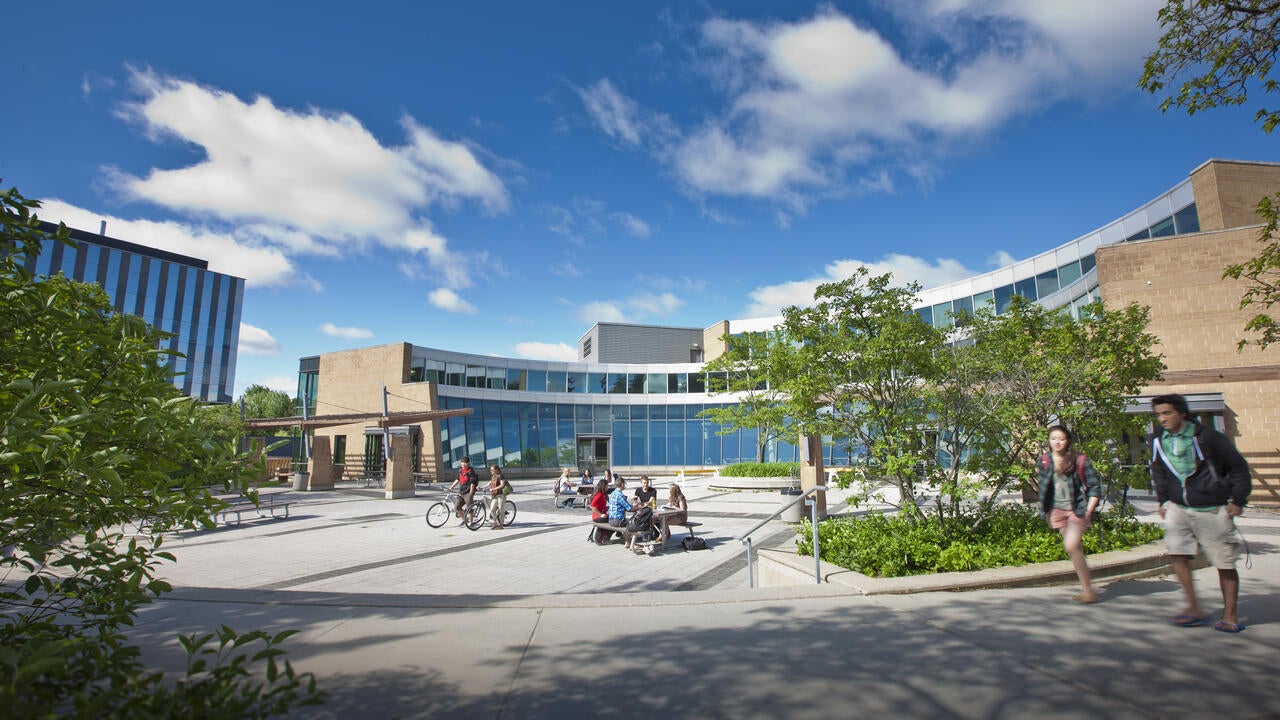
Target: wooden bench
238,505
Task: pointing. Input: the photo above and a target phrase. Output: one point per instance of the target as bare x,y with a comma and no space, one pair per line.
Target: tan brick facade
1197,315
351,381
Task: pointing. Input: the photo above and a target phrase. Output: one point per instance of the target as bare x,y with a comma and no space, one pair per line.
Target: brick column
321,467
400,469
811,471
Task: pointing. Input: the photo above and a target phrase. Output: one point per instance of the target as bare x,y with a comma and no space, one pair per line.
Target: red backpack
1044,465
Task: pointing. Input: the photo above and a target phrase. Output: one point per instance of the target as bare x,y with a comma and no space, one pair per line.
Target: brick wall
1197,317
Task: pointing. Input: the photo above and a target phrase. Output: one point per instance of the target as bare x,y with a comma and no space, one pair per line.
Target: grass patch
880,545
755,469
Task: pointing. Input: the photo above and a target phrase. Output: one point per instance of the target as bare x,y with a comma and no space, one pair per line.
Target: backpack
643,520
693,543
1044,465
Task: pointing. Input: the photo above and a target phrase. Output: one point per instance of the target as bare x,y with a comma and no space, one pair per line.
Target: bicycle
473,516
508,513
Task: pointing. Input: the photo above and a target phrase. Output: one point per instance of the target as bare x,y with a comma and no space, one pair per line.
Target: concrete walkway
399,620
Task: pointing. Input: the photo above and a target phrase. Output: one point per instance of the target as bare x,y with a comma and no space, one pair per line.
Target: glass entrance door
593,453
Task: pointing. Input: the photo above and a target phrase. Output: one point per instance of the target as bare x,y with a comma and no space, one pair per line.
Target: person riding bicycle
466,485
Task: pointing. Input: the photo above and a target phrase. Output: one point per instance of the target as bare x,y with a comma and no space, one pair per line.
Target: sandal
1227,627
1188,620
1085,599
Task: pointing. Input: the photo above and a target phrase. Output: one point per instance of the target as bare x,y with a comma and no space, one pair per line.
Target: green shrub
755,469
891,546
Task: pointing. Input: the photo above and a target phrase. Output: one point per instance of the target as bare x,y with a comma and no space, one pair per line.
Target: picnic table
237,505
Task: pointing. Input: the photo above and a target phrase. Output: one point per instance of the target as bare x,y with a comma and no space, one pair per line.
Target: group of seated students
612,506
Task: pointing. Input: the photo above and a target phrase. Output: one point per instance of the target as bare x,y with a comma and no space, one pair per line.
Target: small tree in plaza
752,369
861,371
95,440
1043,367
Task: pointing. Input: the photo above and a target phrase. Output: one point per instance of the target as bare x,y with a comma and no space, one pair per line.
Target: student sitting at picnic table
618,507
600,511
586,477
565,489
675,501
646,495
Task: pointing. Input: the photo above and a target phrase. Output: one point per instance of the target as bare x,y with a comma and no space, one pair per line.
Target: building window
339,449
695,355
586,348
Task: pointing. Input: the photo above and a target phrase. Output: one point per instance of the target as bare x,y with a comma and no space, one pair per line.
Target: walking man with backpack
1202,484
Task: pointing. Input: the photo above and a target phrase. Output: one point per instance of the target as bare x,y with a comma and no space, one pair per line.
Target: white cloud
242,252
1000,259
770,299
256,341
346,333
446,299
546,351
636,308
616,115
809,103
274,183
632,224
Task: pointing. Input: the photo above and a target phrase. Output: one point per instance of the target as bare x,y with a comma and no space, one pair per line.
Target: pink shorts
1059,519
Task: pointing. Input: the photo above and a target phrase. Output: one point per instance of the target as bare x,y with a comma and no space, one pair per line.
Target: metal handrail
817,561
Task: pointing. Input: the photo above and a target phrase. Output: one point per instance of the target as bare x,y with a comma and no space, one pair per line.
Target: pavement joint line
721,572
389,562
515,672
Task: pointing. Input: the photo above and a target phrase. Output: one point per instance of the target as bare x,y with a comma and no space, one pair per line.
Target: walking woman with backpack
1069,494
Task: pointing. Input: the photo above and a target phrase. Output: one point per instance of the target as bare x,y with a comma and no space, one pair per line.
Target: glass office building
174,293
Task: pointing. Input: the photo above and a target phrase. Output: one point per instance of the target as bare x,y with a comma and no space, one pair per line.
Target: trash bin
301,480
795,513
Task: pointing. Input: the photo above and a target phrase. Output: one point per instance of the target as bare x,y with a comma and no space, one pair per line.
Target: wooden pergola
382,420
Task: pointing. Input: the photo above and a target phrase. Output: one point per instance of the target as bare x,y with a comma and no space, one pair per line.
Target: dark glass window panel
657,442
620,412
582,412
677,383
475,376
675,442
942,315
1087,263
456,374
595,383
963,305
1068,274
926,314
620,444
1164,228
1026,288
1187,220
510,409
657,383
657,412
639,412
528,411
577,382
1004,294
418,370
676,412
600,412
496,379
491,408
546,412
697,383
1142,234
635,383
984,299
564,412
435,371
515,379
537,380
1047,283
557,381
640,442
617,383
710,444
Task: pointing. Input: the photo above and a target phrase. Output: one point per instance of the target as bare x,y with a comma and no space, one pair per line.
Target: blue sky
494,177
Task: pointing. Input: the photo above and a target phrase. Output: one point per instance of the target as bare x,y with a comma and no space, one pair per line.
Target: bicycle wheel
475,516
508,512
438,514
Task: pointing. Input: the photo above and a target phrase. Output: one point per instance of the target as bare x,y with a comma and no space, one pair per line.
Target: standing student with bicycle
466,484
498,489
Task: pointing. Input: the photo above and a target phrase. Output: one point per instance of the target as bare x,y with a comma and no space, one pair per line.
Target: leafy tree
1042,367
94,439
1224,49
861,372
752,369
260,401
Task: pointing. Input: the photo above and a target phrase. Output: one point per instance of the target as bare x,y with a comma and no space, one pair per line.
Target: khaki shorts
1214,531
